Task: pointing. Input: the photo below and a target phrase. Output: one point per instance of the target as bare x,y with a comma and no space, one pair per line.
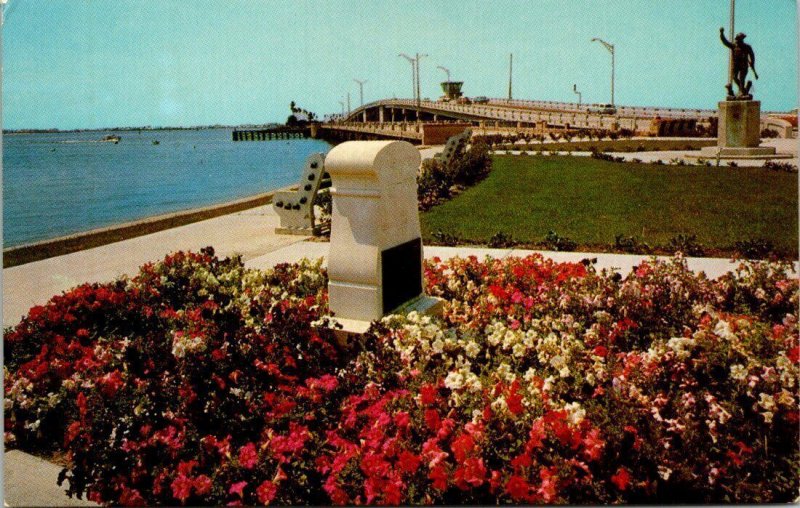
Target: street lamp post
575,89
412,61
342,103
610,48
418,94
348,103
360,89
446,70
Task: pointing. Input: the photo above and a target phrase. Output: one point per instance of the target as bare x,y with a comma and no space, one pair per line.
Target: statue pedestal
739,132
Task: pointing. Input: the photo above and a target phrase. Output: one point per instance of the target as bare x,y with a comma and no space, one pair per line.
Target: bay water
56,184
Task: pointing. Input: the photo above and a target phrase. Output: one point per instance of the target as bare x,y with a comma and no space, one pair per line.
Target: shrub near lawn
201,382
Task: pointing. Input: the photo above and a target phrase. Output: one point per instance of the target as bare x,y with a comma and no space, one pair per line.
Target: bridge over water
401,118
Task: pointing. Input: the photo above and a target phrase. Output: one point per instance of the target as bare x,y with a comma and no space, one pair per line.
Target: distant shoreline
28,253
145,128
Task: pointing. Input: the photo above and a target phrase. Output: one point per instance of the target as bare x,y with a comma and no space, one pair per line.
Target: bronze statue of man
743,57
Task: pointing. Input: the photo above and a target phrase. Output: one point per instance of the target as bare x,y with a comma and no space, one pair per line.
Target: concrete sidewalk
250,233
622,263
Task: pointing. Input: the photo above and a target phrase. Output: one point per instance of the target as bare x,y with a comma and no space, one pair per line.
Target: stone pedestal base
757,152
739,124
423,304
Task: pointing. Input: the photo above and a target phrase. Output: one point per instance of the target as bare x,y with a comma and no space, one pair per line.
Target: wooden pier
269,134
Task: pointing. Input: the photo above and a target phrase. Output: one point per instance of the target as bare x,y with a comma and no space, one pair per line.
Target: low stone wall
619,145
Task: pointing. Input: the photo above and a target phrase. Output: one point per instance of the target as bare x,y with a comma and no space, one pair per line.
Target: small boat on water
106,139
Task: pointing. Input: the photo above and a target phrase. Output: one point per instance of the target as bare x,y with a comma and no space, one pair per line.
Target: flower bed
201,382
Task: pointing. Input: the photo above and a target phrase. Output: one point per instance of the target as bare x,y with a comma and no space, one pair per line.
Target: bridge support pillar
364,116
381,114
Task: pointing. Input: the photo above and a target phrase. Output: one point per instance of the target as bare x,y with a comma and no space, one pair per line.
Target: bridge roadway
397,118
526,114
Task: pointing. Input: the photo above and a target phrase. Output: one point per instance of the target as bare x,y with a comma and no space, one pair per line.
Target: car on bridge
480,100
603,109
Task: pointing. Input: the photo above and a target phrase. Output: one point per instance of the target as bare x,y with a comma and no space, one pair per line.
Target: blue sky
96,63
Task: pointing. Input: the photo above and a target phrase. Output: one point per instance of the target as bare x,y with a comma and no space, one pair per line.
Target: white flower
681,346
723,329
437,346
576,412
664,472
454,381
767,416
472,349
766,401
738,372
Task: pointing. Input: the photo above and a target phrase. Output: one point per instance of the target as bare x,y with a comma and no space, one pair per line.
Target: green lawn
592,201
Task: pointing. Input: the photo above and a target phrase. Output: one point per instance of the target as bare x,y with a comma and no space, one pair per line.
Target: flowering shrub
201,382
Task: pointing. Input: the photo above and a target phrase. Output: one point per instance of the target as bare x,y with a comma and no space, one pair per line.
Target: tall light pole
610,48
446,70
575,89
360,89
348,103
413,62
418,94
342,103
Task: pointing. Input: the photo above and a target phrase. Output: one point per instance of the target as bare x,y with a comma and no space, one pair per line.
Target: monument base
423,304
730,152
739,124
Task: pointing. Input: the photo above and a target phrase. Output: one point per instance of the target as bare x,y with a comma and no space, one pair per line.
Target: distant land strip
20,255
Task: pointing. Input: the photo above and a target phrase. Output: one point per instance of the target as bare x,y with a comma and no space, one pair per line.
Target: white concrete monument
375,260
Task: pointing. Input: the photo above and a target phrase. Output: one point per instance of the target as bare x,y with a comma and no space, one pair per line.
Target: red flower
237,488
473,473
266,492
185,467
432,420
131,497
248,457
181,487
462,446
601,351
202,485
408,462
520,461
517,488
593,445
336,493
111,383
548,488
514,399
439,476
621,479
427,394
794,354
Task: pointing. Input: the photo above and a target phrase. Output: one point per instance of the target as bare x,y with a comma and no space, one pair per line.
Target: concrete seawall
14,256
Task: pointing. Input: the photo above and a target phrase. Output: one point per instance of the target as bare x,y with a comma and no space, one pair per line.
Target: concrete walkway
250,233
31,481
782,145
621,263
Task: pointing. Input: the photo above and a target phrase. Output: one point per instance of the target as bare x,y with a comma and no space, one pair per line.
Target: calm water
52,188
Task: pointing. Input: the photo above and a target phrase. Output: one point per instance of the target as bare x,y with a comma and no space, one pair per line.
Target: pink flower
181,487
237,488
266,492
248,457
202,485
